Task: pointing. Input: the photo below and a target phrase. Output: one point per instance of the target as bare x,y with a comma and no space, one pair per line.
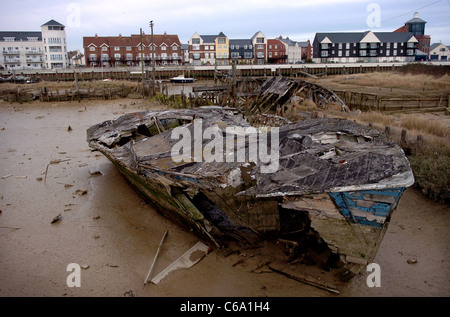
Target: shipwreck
331,194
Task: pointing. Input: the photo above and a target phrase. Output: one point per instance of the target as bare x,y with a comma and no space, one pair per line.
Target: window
129,57
92,57
232,47
237,47
248,55
339,53
163,48
394,53
395,45
211,47
347,53
117,56
388,45
128,48
260,47
174,47
116,48
340,46
260,55
363,46
196,56
104,48
362,53
270,46
324,46
410,52
347,46
259,40
221,40
195,41
373,45
195,47
373,53
324,54
92,48
411,45
234,55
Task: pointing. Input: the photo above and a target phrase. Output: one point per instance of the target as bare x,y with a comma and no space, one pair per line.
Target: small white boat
181,79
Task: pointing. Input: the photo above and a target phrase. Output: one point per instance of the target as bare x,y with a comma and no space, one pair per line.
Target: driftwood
154,259
305,279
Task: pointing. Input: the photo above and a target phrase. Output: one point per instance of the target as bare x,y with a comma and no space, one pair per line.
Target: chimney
120,35
96,35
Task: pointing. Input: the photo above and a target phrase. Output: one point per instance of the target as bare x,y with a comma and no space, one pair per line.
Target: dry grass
97,84
431,127
397,80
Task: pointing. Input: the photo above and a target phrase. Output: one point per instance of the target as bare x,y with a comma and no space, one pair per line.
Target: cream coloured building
46,49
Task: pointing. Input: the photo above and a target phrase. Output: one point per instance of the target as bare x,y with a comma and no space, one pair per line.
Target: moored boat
181,79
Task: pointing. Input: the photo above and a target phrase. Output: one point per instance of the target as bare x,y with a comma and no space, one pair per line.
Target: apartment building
114,51
364,47
241,51
45,49
276,52
259,41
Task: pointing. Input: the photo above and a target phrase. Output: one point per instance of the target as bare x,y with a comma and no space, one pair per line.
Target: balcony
11,52
31,52
12,61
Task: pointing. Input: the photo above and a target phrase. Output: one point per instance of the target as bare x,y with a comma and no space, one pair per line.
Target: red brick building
276,52
108,51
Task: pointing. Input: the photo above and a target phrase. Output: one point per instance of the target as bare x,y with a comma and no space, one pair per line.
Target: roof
208,38
20,36
52,23
356,37
133,40
241,42
435,45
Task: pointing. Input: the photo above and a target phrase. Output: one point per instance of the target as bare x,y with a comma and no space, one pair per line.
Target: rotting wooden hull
338,221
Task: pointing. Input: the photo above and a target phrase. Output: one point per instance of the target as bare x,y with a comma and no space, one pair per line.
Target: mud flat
47,170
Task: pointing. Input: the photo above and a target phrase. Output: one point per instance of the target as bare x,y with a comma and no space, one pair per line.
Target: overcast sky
298,19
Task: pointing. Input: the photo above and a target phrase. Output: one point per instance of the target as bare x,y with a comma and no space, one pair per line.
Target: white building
34,50
55,45
439,52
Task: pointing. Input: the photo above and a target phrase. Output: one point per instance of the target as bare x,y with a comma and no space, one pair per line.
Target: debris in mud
304,278
95,172
412,261
69,128
56,219
84,266
6,176
128,294
187,260
52,162
81,192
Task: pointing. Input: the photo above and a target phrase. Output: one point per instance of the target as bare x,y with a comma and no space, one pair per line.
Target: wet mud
47,172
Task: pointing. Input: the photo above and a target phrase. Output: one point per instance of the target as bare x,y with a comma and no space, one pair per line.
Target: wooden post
403,136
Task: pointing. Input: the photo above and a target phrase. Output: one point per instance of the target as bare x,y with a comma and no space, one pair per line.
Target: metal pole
142,64
153,58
